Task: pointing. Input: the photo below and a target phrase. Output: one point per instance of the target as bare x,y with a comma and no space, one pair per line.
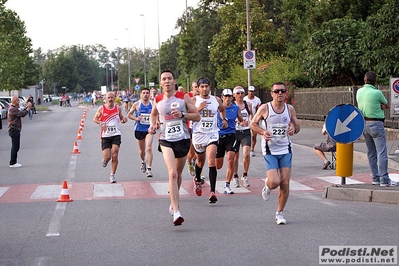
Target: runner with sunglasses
276,121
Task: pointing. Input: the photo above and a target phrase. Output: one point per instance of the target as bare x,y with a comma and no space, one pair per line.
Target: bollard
344,161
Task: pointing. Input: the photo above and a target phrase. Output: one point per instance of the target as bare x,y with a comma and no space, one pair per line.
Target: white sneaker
390,184
252,153
280,219
16,165
227,190
149,173
244,179
143,167
266,192
112,179
235,182
177,218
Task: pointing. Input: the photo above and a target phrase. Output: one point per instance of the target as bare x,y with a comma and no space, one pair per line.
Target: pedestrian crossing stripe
3,190
337,180
108,190
46,192
162,189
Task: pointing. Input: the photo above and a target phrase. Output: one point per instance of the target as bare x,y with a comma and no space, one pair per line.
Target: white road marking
298,186
161,189
3,190
220,188
55,223
108,190
337,180
46,192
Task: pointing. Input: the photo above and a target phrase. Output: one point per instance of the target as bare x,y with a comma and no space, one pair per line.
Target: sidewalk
310,134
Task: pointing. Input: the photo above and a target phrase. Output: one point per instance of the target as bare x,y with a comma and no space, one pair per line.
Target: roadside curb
362,192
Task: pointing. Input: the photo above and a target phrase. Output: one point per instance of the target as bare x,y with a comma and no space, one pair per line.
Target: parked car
3,109
8,99
55,97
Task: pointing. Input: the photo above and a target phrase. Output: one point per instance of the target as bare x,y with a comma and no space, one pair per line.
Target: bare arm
294,125
153,119
121,117
262,112
133,109
192,112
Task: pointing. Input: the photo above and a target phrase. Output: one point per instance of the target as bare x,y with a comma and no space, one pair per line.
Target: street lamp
117,62
159,45
145,74
128,57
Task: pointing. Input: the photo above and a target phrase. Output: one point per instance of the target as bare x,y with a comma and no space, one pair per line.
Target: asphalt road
127,223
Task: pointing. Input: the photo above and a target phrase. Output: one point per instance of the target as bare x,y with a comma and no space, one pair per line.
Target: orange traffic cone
79,137
64,196
80,128
75,148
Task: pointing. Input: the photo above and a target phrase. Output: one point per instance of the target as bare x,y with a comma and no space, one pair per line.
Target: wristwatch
183,114
226,119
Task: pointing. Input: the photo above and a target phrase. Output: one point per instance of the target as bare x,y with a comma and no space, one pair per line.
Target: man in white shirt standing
255,102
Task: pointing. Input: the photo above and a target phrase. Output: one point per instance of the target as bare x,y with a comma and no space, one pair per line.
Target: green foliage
279,69
17,68
334,51
380,42
231,41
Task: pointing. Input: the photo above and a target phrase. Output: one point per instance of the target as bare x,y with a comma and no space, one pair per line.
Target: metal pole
112,79
145,74
117,63
249,41
128,58
159,45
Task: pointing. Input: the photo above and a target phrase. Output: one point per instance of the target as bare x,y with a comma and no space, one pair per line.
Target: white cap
238,89
227,92
251,88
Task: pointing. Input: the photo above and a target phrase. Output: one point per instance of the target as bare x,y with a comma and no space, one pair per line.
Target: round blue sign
249,55
137,87
345,123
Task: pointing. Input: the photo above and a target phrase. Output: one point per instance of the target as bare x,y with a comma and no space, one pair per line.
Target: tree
17,68
333,51
381,41
231,41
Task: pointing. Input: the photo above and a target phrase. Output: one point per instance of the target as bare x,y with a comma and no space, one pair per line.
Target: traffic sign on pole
345,123
249,59
137,87
137,80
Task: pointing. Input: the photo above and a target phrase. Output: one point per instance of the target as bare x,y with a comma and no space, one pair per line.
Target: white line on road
55,223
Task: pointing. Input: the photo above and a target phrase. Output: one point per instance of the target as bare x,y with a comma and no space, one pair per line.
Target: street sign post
249,59
137,87
137,80
345,124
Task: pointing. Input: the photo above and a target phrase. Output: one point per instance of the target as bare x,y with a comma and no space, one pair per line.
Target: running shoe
16,165
245,181
202,179
212,198
112,178
390,184
143,167
252,153
280,219
191,169
170,210
227,190
149,173
177,218
197,187
266,192
104,163
235,182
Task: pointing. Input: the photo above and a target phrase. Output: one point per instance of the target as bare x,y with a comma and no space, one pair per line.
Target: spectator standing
255,102
372,103
276,121
14,128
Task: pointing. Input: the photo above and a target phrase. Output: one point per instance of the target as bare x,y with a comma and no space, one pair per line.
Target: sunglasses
227,95
278,91
239,92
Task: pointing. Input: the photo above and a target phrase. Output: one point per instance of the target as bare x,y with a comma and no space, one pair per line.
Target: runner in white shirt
255,102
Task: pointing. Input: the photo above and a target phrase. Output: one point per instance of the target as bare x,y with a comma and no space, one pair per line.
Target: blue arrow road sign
137,87
345,123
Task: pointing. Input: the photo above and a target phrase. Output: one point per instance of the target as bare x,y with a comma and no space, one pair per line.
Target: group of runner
197,127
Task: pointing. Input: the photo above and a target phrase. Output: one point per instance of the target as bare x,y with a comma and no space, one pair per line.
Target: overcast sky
53,23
